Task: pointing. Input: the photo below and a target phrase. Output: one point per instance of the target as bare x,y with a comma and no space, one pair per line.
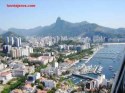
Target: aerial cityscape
67,47
59,64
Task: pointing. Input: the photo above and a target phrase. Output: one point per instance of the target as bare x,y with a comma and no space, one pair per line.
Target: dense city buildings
60,64
17,52
13,41
13,47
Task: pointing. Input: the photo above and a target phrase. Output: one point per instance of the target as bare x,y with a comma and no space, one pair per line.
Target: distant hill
26,32
9,34
64,28
12,34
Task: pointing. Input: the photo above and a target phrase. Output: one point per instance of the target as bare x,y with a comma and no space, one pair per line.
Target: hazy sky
110,13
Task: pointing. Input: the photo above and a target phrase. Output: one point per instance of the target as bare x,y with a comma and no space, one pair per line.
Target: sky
109,13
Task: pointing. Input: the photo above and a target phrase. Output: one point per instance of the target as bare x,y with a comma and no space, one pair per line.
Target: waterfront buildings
78,48
95,83
98,39
58,70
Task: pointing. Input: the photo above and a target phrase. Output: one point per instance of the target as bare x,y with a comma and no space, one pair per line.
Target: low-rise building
42,59
61,91
66,53
33,78
95,83
16,64
7,48
102,80
18,72
52,70
41,91
37,74
16,91
30,69
49,83
5,77
28,88
2,66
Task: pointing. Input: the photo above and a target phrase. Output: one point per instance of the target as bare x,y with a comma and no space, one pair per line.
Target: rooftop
5,73
41,91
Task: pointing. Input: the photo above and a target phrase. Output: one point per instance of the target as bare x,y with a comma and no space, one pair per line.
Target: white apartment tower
11,42
7,41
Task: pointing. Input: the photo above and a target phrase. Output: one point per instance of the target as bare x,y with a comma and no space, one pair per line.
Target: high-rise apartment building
11,41
21,51
7,40
17,44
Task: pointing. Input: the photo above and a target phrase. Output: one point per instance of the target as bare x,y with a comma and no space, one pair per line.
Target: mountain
9,34
12,34
64,28
26,32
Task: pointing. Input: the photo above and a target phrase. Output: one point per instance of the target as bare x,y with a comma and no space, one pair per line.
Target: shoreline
93,54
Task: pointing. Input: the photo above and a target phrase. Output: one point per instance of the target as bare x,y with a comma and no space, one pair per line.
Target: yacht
110,67
99,69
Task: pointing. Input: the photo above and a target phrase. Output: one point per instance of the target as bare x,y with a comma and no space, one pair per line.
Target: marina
106,61
110,66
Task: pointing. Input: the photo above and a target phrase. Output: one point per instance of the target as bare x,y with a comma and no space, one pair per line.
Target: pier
84,76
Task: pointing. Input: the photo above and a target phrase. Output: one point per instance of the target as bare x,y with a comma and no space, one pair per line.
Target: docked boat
110,67
99,71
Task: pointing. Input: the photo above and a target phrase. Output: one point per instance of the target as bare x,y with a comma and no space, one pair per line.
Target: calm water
111,55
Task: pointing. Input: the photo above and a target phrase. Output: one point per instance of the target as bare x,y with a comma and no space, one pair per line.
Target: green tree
40,67
37,81
35,54
2,54
38,49
60,59
58,85
40,86
51,91
14,85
